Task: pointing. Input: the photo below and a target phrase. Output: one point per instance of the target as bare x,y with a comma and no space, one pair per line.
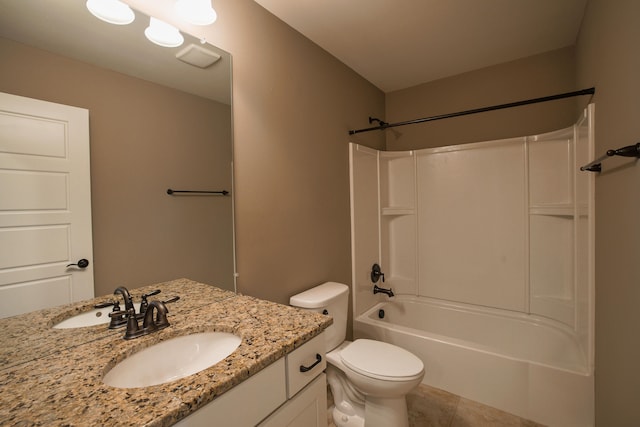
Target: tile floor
432,407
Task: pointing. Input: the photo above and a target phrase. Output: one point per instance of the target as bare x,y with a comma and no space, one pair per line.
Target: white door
45,205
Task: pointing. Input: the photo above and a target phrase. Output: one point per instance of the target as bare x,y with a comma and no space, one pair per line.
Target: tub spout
377,289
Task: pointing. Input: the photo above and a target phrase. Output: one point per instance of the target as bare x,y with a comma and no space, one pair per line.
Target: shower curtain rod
384,125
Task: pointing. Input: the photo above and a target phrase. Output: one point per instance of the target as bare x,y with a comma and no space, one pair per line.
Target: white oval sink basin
172,359
97,316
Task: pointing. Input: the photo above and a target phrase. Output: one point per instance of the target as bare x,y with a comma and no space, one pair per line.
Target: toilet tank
332,297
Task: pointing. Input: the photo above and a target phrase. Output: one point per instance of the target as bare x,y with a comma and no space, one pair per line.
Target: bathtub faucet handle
376,273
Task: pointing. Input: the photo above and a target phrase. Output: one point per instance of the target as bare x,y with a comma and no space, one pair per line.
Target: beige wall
293,106
145,138
608,58
534,77
294,103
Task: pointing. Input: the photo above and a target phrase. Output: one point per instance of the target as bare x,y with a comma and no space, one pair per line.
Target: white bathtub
526,365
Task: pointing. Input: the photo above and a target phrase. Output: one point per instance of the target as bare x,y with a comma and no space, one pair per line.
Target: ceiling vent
197,56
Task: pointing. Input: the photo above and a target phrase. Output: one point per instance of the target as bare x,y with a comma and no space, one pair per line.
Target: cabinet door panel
308,408
245,404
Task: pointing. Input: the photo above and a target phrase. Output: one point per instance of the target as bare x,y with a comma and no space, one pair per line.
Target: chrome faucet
150,323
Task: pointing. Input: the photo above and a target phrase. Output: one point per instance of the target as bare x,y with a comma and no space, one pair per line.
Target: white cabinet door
45,205
308,408
245,404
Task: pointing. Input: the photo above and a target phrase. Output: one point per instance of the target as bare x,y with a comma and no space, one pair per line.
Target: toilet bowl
369,379
382,373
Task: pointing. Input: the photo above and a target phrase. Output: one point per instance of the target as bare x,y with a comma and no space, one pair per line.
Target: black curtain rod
384,125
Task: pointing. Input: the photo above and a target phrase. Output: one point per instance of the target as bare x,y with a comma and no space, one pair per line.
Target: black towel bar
628,151
220,193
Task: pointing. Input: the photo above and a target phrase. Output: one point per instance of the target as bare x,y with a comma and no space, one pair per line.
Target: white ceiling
396,44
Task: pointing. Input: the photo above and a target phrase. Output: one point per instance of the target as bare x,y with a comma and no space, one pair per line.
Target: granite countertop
54,376
31,336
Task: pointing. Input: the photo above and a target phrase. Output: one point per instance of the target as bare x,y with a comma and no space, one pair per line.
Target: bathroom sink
172,359
97,316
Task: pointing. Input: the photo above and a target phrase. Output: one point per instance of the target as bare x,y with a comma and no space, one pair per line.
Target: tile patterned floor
432,407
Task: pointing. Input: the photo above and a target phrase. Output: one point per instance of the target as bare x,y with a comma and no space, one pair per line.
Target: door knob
83,263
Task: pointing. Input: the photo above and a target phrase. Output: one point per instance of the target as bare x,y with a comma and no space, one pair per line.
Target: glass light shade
111,11
163,34
196,12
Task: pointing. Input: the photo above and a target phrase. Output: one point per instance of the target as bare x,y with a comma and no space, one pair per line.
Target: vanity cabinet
306,388
307,409
283,392
304,364
247,403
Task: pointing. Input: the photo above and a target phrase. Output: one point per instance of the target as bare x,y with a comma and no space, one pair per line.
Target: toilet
369,379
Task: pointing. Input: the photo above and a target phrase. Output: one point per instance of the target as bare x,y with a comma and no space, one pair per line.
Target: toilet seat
377,359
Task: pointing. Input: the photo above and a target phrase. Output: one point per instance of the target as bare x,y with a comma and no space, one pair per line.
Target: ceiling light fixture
196,12
111,11
163,34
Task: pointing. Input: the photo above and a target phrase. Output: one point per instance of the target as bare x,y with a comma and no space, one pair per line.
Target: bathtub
526,365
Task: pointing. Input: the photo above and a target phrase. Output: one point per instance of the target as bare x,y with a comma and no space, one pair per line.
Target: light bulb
196,12
163,34
111,11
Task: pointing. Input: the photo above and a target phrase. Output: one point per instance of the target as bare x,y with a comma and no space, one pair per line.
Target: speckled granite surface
31,335
58,377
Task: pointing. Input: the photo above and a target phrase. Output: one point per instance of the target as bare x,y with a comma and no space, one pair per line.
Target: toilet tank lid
318,296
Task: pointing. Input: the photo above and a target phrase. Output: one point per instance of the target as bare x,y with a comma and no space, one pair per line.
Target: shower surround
489,249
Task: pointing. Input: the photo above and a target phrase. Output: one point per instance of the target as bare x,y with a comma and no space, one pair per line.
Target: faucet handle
144,304
116,320
376,273
115,304
173,299
152,293
104,304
